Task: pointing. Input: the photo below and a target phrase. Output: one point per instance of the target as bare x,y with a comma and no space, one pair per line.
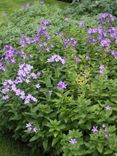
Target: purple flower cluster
56,58
24,41
2,66
40,37
106,18
105,42
76,59
104,36
70,41
45,46
11,52
102,67
108,107
24,74
114,54
29,98
30,128
61,85
104,128
73,141
41,33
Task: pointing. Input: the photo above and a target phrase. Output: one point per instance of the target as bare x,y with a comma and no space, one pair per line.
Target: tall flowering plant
58,89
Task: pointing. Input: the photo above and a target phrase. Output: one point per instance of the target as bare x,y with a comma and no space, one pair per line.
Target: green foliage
92,7
64,114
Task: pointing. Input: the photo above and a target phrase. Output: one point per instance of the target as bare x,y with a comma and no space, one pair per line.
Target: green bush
93,7
58,92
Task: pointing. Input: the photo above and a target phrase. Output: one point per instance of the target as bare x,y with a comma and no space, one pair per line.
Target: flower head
73,141
61,85
95,129
108,107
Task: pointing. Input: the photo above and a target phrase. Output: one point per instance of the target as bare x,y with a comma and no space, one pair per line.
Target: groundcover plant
58,85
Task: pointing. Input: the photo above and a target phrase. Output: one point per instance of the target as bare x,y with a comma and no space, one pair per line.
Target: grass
9,147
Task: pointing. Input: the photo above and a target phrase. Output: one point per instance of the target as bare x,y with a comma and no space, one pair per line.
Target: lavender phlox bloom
34,130
29,98
95,129
30,128
82,23
9,54
102,67
92,31
106,18
45,22
39,73
105,42
114,53
24,72
56,58
24,41
33,75
108,107
42,32
61,85
2,67
28,125
76,59
70,41
73,141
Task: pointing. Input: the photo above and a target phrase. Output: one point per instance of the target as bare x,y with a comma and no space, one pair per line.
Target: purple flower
114,53
102,67
108,107
77,60
28,125
70,41
73,141
2,67
29,98
95,129
81,23
105,42
61,85
92,31
56,58
24,41
106,18
45,22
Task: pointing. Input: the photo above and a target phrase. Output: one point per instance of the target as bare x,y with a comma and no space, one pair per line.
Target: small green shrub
58,92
